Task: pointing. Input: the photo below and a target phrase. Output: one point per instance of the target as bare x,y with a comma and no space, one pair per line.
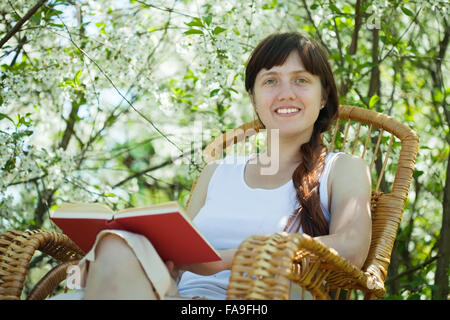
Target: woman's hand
209,268
174,270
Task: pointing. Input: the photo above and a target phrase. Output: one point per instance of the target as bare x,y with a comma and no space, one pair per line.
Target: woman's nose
286,92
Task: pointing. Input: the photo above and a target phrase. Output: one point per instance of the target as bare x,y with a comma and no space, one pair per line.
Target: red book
165,225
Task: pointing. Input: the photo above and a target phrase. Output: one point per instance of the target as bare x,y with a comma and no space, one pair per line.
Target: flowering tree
98,98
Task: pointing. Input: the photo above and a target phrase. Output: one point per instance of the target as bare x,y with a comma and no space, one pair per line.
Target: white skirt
157,273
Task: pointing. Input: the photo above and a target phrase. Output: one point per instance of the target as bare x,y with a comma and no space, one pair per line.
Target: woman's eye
301,80
270,81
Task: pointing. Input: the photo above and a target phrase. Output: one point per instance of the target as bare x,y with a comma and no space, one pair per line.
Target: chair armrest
18,247
264,266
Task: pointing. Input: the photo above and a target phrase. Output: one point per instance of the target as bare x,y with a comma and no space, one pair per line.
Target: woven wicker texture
16,250
266,266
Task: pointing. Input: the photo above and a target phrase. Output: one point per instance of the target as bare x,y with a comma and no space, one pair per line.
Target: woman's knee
112,249
117,269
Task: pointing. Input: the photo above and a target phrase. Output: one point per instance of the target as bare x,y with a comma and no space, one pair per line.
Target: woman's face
288,97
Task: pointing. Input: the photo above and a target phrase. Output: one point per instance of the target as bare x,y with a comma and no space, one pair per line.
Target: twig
251,21
165,9
145,171
315,27
19,24
420,266
338,39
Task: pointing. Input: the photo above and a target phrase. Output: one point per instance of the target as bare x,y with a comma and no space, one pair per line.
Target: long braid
306,176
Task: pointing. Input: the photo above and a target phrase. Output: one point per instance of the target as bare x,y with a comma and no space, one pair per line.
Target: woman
327,196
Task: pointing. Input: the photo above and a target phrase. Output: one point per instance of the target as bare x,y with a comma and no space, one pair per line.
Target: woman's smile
287,111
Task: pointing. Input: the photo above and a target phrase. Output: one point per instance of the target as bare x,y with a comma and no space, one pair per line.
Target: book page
160,208
85,210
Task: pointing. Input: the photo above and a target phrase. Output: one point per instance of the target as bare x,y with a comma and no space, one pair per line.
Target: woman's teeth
290,110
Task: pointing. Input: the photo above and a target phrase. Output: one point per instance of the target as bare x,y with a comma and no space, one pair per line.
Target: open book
166,225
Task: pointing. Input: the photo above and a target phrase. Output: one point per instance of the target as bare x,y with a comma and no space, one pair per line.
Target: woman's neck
286,148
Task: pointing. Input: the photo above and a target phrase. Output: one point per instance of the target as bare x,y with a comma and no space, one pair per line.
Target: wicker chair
266,266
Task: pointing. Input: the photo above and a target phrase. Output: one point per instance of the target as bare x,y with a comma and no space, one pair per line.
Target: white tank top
233,212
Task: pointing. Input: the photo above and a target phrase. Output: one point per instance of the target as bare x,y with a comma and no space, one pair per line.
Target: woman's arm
209,268
351,224
196,203
206,268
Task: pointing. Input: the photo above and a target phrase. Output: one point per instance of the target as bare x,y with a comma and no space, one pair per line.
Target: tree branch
70,125
338,39
19,24
358,22
315,27
411,270
165,163
165,9
347,83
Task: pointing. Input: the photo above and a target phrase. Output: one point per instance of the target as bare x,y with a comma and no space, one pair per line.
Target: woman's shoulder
347,167
347,158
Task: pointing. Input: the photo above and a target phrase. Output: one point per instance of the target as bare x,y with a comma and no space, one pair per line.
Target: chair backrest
388,146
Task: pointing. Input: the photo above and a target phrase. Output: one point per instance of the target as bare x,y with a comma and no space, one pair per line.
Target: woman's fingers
173,270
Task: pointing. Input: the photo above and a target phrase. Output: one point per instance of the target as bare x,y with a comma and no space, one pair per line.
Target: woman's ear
324,98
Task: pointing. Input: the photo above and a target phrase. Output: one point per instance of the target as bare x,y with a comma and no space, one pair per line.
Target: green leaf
101,26
438,95
417,173
77,79
55,24
407,12
214,92
208,19
22,120
193,31
35,19
314,6
9,165
335,9
271,5
190,75
374,99
218,30
19,135
414,296
196,22
347,9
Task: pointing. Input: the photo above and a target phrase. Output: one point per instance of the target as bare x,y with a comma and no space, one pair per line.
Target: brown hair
273,51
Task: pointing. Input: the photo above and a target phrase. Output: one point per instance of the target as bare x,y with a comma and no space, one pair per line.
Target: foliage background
98,101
